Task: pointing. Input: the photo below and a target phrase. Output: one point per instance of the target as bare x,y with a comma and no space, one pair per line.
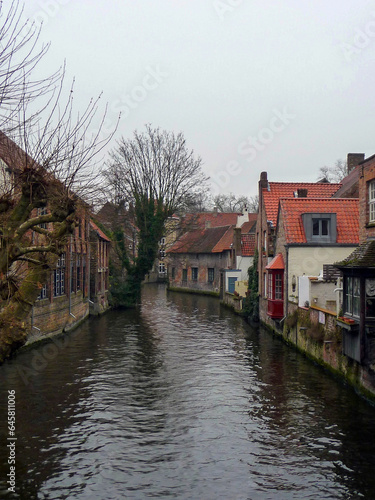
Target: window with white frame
352,296
42,211
371,201
59,277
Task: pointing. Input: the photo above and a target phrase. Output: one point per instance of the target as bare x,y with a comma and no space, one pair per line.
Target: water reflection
182,399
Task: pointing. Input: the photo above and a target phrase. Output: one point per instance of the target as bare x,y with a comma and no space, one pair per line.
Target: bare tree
20,53
336,173
232,203
46,174
158,174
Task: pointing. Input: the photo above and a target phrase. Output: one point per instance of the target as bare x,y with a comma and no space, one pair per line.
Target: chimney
353,159
301,193
263,183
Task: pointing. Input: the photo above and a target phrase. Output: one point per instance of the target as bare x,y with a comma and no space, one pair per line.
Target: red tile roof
277,262
212,236
205,220
346,210
225,241
279,190
248,244
201,240
249,226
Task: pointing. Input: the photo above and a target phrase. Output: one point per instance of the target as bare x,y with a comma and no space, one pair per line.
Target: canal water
181,400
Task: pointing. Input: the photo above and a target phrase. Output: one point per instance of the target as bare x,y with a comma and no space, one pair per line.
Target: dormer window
320,227
371,201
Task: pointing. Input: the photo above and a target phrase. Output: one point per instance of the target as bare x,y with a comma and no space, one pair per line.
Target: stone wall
54,317
315,333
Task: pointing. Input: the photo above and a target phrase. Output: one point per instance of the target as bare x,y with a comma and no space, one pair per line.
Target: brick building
208,258
359,277
270,194
64,298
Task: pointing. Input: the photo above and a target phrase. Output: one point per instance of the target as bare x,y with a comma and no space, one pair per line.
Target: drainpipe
286,280
32,321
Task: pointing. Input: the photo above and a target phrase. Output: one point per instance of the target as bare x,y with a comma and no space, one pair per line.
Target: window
43,292
320,227
59,277
78,272
42,211
84,274
173,272
194,274
184,275
210,274
371,201
370,297
161,268
73,270
352,296
275,286
162,241
278,286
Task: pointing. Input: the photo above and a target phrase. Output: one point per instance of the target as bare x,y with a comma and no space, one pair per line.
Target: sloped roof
201,241
250,225
363,256
349,185
279,190
225,241
277,262
346,210
99,232
203,238
205,220
248,244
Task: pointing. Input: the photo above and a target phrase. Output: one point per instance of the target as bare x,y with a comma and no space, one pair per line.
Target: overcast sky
255,85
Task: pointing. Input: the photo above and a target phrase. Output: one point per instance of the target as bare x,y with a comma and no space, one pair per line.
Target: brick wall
54,317
366,230
202,262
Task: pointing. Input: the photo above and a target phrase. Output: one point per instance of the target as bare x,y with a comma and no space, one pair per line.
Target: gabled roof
277,190
202,241
346,210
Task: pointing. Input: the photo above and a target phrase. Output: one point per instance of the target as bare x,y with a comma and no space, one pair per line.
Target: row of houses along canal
181,399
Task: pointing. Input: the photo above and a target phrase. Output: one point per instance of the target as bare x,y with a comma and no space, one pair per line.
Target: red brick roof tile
201,241
346,210
248,244
279,190
277,262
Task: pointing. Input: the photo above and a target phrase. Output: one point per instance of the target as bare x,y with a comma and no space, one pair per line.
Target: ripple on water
183,400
